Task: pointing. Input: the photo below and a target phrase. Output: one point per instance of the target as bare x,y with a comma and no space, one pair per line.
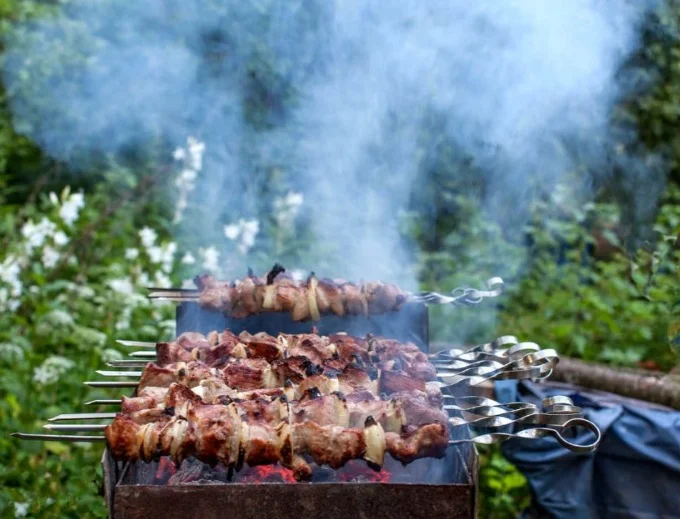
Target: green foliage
570,284
654,106
616,310
504,492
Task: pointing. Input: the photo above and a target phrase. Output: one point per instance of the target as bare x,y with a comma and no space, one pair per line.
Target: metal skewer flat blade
82,416
174,290
143,354
127,363
137,344
126,374
107,401
111,383
172,293
81,427
59,437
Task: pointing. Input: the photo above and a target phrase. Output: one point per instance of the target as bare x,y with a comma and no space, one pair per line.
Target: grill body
128,499
445,488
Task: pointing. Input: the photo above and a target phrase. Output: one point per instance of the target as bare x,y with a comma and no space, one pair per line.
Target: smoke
348,103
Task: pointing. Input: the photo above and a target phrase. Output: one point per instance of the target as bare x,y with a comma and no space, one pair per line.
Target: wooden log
644,385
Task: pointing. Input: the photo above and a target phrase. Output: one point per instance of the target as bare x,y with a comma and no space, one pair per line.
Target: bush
67,290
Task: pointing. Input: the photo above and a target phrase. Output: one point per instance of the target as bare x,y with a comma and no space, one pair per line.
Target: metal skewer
133,363
59,437
143,354
111,383
137,344
82,416
459,296
124,374
82,427
107,401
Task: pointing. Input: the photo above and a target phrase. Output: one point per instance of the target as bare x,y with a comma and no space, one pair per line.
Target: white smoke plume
511,81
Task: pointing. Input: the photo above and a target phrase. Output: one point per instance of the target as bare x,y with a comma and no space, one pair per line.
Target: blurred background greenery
77,251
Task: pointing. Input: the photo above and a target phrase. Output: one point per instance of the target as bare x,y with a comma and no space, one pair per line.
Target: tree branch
650,386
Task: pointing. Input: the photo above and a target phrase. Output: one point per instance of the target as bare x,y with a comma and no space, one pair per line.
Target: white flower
232,231
188,259
71,207
11,353
85,292
169,325
249,226
162,280
43,376
210,258
9,274
50,370
287,208
110,354
60,239
58,318
186,177
21,509
54,198
155,254
148,237
294,199
50,257
168,255
143,279
36,234
122,286
124,321
131,254
196,149
185,181
247,230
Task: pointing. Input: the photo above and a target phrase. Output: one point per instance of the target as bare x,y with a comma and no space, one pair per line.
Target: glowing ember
165,468
193,471
358,472
266,474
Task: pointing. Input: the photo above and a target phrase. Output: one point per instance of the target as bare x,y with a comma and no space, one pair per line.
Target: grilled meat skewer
333,351
220,433
279,292
249,374
406,407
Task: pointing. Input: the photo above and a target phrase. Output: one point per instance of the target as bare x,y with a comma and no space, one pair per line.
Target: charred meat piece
395,381
429,440
261,345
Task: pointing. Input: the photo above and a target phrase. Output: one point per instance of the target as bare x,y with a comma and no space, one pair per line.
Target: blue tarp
635,472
